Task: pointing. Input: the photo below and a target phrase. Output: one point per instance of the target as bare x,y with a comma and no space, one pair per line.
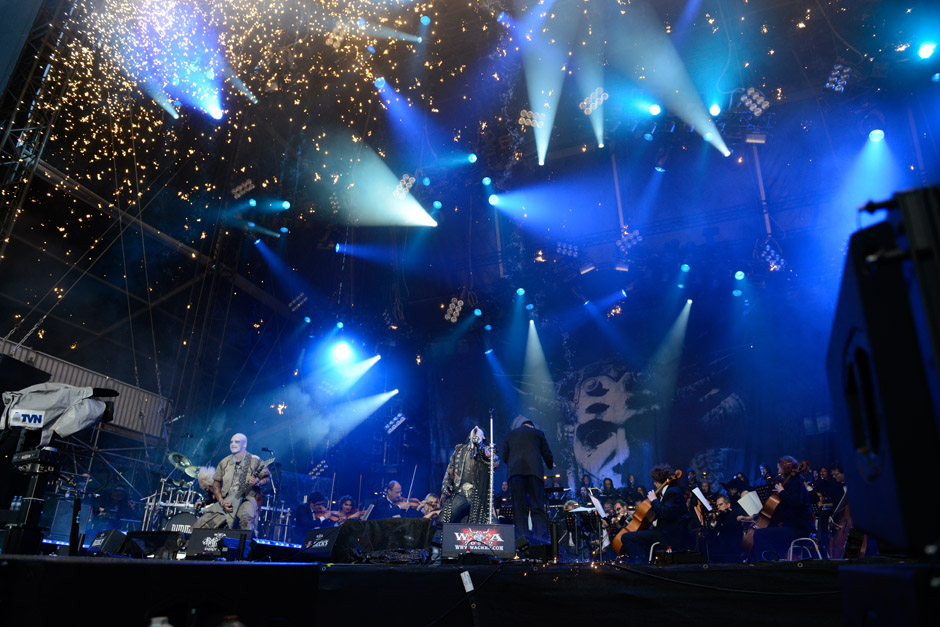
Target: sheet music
598,506
701,497
750,502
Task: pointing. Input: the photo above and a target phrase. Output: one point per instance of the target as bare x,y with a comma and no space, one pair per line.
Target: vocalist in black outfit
524,452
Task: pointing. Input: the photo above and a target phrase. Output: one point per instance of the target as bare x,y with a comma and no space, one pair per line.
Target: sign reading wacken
495,540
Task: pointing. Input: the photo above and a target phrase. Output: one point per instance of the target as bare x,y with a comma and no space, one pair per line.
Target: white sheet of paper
598,506
701,497
750,502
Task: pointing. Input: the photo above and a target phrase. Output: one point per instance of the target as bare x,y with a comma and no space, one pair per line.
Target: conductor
525,449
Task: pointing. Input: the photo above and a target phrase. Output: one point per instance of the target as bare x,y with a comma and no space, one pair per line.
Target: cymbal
179,461
191,471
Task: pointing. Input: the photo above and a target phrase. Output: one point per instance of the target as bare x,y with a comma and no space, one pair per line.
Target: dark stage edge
107,591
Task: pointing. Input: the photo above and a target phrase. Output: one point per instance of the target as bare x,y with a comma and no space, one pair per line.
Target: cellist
671,519
792,518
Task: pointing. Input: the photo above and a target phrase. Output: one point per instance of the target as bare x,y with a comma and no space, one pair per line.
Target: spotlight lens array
453,310
755,102
531,118
839,78
593,102
568,250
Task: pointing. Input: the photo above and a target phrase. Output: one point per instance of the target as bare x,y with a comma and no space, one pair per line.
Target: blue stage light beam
664,365
590,73
537,380
290,279
376,253
545,59
642,42
367,191
341,352
507,393
347,375
345,417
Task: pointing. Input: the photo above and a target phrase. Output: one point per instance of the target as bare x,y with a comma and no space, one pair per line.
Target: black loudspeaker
107,542
320,544
882,371
157,544
231,544
57,517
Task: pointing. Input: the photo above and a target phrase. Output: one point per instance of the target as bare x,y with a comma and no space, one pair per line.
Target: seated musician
311,515
430,507
387,506
347,509
503,497
706,488
725,533
791,519
671,522
608,491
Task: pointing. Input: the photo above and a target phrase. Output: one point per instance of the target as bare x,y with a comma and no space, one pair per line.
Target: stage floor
109,591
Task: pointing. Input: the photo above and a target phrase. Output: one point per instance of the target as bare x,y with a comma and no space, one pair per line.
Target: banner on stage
494,540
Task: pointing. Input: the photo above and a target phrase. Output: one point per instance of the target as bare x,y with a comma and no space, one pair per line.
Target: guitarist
791,519
236,484
672,519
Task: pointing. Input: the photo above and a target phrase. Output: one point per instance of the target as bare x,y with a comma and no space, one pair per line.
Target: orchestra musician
388,506
791,519
724,533
311,515
347,509
238,479
671,522
465,490
430,507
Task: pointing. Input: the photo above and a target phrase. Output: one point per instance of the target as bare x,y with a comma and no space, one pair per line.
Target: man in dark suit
672,518
525,449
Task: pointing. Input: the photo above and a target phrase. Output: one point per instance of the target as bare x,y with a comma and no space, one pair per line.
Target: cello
644,515
770,505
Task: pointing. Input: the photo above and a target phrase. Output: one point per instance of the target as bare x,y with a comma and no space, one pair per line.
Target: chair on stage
805,546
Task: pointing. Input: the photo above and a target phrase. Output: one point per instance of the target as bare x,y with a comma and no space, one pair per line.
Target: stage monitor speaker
107,542
156,544
882,371
497,541
320,544
231,544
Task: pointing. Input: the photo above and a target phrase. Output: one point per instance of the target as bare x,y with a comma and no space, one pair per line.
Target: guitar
230,516
644,515
767,512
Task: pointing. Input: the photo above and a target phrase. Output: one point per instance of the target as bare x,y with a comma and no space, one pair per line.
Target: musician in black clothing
524,452
724,533
791,519
671,519
311,515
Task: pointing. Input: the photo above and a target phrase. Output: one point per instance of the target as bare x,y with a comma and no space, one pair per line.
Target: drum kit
176,504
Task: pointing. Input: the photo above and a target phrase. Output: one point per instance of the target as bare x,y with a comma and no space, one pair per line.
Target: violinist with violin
391,504
312,515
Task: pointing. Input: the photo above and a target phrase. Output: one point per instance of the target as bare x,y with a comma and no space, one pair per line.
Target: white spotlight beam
642,43
346,417
348,375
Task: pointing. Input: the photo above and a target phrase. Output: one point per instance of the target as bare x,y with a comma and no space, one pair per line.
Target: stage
109,591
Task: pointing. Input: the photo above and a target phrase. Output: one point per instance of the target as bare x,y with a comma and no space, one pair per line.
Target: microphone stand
492,462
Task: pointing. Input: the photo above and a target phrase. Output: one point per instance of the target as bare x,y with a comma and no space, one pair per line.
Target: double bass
770,505
644,515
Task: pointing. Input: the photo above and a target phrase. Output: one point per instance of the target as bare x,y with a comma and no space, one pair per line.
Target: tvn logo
28,418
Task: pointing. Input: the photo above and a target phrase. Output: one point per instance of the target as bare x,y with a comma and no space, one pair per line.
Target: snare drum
181,522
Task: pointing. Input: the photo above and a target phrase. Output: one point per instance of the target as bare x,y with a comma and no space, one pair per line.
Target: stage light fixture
338,247
453,310
425,20
586,268
404,186
648,135
715,110
736,292
688,302
488,327
487,180
426,181
628,239
371,49
739,275
876,135
755,102
394,422
307,319
242,189
252,202
493,199
655,109
659,168
936,77
341,353
926,50
502,18
623,293
838,78
477,312
437,204
568,250
257,241
685,267
250,224
380,82
531,118
285,204
339,325
529,307
593,102
284,229
771,256
681,286
520,292
472,158
622,267
488,351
